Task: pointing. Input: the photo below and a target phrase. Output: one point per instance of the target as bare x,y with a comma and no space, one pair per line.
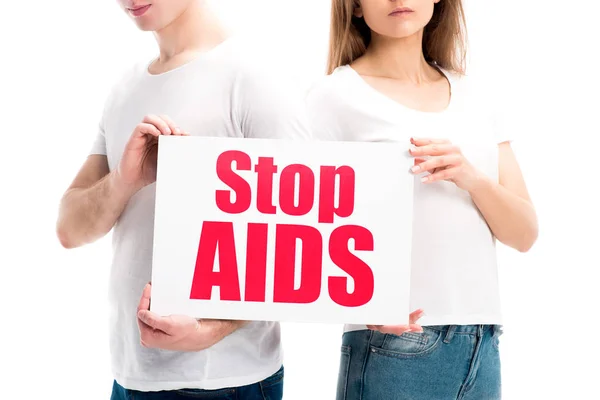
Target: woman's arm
505,205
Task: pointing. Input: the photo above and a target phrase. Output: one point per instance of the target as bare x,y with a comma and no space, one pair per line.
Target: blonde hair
444,37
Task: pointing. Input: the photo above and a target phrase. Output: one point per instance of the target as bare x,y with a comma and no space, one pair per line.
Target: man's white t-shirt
454,275
221,94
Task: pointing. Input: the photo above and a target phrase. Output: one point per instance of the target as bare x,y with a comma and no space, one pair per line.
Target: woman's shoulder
473,90
471,82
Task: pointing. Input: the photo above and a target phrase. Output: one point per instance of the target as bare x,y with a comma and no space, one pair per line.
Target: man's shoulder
323,88
257,76
123,79
332,91
236,58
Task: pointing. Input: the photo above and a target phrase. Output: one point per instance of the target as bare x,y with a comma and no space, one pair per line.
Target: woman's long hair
444,38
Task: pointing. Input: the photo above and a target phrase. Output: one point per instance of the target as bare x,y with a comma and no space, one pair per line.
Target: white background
58,59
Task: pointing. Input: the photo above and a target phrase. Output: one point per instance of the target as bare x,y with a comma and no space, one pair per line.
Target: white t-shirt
454,273
217,94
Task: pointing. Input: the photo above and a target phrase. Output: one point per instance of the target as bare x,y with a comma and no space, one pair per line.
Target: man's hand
138,164
179,332
400,329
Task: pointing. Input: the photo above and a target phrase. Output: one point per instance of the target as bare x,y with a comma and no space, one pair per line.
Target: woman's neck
400,59
196,30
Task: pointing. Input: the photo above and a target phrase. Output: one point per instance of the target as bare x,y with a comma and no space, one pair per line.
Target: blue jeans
268,389
442,363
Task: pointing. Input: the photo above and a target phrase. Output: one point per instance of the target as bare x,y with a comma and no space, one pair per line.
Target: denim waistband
467,329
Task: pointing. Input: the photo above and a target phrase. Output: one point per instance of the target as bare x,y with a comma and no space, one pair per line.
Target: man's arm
180,332
96,198
92,203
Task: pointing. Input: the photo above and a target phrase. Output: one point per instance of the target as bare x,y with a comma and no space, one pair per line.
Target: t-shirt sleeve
98,145
99,142
498,111
500,132
269,106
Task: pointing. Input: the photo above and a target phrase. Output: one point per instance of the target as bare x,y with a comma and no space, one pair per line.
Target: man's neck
400,59
195,31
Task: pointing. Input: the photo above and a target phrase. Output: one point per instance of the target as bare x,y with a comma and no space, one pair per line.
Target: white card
278,230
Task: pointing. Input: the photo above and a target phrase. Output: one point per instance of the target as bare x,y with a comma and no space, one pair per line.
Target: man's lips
139,10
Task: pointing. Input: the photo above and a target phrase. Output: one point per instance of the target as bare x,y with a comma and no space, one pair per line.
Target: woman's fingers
442,175
427,141
434,150
437,163
400,329
415,316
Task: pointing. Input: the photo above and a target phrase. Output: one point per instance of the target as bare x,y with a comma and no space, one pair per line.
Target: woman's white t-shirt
454,275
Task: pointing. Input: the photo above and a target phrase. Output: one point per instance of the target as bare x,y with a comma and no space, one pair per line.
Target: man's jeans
442,363
268,389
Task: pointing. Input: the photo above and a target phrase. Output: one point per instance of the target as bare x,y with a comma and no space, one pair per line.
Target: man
198,85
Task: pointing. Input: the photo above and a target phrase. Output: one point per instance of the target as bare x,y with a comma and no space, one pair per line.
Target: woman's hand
445,162
400,329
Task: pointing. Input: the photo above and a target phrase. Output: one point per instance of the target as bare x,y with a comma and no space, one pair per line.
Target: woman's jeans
442,363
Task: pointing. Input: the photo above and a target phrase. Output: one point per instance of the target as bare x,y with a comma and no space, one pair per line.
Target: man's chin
146,26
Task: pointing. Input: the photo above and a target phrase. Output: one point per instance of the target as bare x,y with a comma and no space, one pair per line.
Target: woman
396,73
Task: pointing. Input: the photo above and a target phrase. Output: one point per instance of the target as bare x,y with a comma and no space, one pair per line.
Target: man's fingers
175,130
155,321
148,129
154,338
146,339
159,123
154,329
144,303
